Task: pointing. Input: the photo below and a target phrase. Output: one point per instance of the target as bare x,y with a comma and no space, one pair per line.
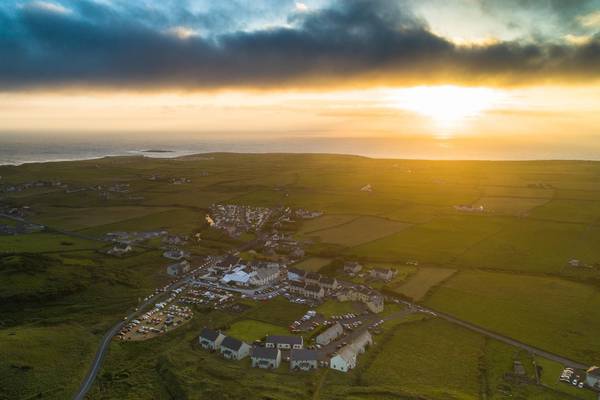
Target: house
178,269
265,274
210,339
344,360
592,377
263,357
234,349
120,248
284,342
346,357
174,254
314,292
307,290
296,274
303,360
328,283
384,274
371,298
352,267
296,287
312,277
331,334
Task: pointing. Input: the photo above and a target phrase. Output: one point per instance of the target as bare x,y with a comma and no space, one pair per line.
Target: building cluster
310,284
19,228
281,243
236,220
290,348
371,298
8,188
234,272
134,237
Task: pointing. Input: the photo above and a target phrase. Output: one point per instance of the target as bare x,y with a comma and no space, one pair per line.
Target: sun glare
447,106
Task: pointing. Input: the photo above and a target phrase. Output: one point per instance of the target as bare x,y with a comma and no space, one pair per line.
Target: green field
419,284
553,314
250,330
312,264
332,307
360,230
59,292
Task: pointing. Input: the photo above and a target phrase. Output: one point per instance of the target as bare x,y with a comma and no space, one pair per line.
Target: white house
263,357
234,349
210,339
284,342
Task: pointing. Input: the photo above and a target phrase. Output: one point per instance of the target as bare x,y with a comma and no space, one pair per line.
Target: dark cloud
372,40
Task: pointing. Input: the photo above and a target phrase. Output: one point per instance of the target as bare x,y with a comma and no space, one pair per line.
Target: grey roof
231,343
263,352
332,332
313,288
291,340
209,334
327,280
313,275
265,272
303,355
297,271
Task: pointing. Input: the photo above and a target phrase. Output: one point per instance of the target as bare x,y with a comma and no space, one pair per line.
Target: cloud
351,42
48,7
591,20
301,7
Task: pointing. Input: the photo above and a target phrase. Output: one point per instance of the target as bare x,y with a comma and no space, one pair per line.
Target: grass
333,307
408,216
436,365
251,330
44,242
547,312
313,264
509,205
44,361
438,242
419,284
360,230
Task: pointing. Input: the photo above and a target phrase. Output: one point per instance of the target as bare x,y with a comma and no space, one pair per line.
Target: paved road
88,381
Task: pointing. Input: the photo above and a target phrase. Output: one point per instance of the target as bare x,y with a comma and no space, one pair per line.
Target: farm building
329,335
119,249
303,360
234,349
384,274
263,357
179,268
284,342
352,267
592,377
210,339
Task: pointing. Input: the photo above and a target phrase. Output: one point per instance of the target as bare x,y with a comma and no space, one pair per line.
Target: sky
520,70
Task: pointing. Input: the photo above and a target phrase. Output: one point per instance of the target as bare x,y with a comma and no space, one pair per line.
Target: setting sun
448,106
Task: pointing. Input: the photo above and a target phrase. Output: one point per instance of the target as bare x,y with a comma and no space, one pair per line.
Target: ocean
16,149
